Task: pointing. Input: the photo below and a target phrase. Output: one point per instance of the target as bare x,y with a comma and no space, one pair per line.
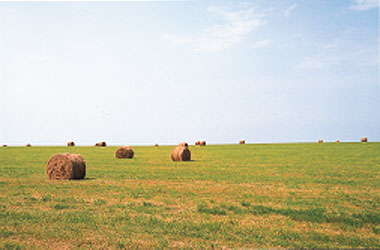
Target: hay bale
101,144
337,141
4,146
202,143
242,142
66,167
183,144
70,144
28,145
124,152
156,145
197,142
364,139
320,141
181,153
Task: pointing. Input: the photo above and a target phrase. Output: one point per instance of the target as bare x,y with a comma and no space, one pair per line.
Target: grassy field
230,196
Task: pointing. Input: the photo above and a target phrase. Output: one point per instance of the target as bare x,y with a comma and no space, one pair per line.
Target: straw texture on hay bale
197,142
183,144
202,143
28,145
364,139
66,167
124,152
242,142
181,153
320,141
70,144
101,144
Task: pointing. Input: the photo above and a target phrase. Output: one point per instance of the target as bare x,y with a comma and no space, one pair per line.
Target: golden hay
242,142
181,153
70,144
364,139
124,152
66,167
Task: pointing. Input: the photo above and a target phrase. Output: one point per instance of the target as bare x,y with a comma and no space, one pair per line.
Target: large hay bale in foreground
124,152
320,141
66,167
28,145
242,142
183,144
364,139
101,144
202,143
70,144
181,153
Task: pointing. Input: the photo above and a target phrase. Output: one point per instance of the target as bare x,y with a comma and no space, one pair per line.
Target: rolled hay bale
66,167
70,144
183,144
364,139
242,142
156,145
101,144
181,153
124,152
28,145
337,141
4,146
197,142
202,143
320,141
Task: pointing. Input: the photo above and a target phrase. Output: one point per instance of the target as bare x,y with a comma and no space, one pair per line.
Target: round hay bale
337,141
364,139
183,144
101,144
197,142
156,145
181,153
66,167
320,141
202,143
70,144
4,146
28,145
242,142
124,152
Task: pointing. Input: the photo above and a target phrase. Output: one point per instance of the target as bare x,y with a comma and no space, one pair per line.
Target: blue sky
140,73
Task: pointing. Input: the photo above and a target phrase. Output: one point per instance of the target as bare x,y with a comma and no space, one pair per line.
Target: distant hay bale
70,144
337,141
156,145
101,144
364,139
66,167
320,141
4,145
197,142
183,144
181,153
124,152
202,143
28,145
242,142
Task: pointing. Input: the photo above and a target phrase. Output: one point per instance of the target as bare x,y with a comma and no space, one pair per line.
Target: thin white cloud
289,10
362,5
261,44
232,28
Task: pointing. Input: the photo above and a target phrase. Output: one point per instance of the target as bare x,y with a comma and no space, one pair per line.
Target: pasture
305,195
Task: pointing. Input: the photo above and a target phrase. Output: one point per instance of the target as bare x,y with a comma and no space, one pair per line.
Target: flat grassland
230,196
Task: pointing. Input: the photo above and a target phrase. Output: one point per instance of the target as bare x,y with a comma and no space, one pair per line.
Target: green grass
230,196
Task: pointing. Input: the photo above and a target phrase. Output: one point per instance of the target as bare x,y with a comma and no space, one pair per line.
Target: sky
146,72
